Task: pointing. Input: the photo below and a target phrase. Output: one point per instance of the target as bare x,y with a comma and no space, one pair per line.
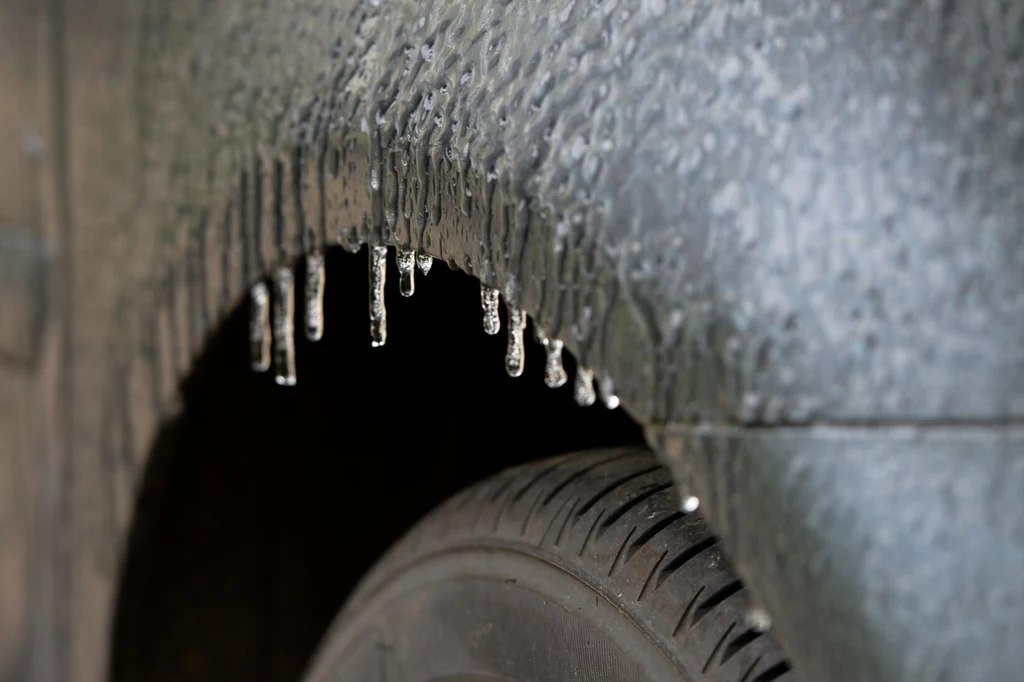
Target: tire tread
612,518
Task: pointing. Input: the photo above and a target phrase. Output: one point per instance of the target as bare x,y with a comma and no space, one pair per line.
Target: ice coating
284,326
489,302
378,312
424,262
406,261
583,391
316,278
515,354
606,390
259,326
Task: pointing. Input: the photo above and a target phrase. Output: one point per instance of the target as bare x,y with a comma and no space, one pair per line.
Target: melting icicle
406,261
424,262
259,327
554,371
690,503
378,313
515,355
606,389
316,277
584,389
284,326
489,301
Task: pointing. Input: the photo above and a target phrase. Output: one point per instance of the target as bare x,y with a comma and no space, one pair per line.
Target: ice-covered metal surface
760,211
900,548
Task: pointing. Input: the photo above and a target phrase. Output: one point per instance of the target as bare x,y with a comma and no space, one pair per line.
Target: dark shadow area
263,505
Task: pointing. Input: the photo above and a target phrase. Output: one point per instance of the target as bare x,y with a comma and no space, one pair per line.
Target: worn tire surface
577,567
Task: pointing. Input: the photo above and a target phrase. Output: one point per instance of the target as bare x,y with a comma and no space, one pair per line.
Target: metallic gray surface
761,211
900,548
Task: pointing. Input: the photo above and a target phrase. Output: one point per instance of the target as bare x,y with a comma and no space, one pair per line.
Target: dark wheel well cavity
251,526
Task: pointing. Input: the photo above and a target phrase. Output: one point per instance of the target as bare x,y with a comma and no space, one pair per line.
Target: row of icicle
273,341
278,335
280,330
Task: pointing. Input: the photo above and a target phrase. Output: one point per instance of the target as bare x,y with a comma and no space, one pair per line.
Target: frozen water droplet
424,262
554,372
606,389
374,182
284,326
515,356
378,313
406,261
758,619
316,277
259,327
583,391
690,503
489,302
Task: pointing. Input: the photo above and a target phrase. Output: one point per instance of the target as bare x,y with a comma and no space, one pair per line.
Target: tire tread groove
621,510
579,474
608,489
653,531
685,557
629,542
715,600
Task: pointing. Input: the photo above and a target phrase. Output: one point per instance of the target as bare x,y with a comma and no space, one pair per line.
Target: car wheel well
251,524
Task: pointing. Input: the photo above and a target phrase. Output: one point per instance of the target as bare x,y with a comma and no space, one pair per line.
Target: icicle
424,262
284,326
584,389
515,355
606,389
555,375
489,302
378,313
554,372
316,277
406,261
259,327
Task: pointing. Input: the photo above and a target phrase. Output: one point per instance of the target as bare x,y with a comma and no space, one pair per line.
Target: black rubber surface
577,567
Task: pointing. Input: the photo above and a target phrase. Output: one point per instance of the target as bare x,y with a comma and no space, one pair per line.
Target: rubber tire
579,567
